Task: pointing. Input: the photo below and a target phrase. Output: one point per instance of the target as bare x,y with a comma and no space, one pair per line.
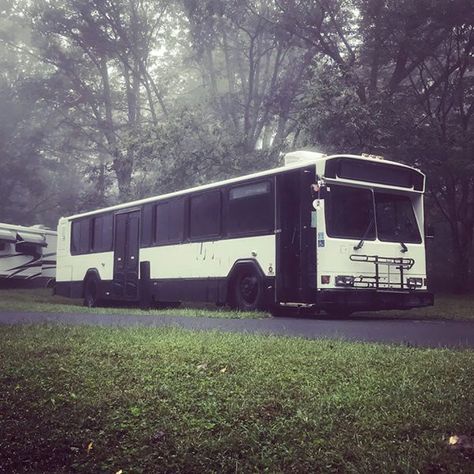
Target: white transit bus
342,233
27,256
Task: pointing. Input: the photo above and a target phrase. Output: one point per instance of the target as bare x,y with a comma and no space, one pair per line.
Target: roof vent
302,156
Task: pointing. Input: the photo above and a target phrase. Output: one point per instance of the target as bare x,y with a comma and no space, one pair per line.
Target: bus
339,233
27,256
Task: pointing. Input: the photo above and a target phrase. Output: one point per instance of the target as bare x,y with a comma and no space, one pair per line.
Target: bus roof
306,158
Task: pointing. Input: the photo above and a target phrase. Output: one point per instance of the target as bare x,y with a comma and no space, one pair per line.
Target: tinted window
349,213
147,225
102,235
205,211
250,209
170,221
249,190
80,237
384,173
396,220
27,248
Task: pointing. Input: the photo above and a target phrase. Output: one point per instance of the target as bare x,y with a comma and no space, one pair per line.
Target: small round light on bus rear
325,279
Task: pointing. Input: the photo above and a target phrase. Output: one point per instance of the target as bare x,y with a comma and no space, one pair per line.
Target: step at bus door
296,239
126,255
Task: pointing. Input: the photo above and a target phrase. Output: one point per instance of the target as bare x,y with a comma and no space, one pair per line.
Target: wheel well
92,273
239,266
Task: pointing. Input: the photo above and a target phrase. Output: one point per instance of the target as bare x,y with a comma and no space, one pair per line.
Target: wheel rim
249,289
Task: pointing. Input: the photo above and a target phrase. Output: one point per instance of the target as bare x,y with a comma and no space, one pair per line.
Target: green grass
42,299
446,307
167,400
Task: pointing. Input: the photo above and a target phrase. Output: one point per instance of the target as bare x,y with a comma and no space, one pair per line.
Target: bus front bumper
373,300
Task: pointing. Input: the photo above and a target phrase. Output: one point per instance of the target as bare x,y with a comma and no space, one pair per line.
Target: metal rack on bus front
399,263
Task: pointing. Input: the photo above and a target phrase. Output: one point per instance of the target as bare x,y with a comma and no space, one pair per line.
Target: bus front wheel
247,291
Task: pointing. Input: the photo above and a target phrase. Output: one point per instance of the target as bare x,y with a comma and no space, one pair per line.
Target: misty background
104,101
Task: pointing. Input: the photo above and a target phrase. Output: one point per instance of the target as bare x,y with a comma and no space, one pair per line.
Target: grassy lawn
81,399
446,307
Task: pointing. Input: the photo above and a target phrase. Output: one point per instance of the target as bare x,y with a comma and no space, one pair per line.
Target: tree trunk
123,171
462,238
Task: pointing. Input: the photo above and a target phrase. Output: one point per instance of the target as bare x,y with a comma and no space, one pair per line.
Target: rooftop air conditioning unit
302,156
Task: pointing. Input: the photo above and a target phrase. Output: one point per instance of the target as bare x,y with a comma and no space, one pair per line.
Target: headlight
344,280
414,282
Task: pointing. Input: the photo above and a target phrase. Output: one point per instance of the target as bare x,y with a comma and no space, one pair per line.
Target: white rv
27,256
342,233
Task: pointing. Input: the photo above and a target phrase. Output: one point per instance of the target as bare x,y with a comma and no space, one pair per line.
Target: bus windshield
396,220
350,213
358,213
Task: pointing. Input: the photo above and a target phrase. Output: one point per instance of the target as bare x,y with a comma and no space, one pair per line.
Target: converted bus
339,233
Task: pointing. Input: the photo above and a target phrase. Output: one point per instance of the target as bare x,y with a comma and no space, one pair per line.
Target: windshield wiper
404,247
361,243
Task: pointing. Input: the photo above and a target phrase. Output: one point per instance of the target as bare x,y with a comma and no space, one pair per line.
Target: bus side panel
198,271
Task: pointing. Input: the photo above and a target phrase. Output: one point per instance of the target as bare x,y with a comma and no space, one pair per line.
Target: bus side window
205,215
80,237
102,233
170,221
250,209
147,236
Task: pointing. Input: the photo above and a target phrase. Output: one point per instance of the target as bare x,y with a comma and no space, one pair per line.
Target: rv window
170,221
102,233
3,246
205,215
250,209
80,239
27,248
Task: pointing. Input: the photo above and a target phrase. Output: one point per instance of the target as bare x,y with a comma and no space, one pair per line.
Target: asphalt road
454,334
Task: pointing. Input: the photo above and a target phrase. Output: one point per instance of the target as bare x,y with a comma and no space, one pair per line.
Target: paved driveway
412,332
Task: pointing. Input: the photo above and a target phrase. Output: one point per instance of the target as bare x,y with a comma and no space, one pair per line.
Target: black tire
91,292
247,291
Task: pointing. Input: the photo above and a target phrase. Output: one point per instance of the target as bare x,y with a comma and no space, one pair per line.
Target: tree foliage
106,100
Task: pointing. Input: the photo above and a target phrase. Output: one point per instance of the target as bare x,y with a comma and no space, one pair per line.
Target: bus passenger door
296,239
126,255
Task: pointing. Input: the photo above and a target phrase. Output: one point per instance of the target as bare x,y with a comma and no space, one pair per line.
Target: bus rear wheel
91,292
248,291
